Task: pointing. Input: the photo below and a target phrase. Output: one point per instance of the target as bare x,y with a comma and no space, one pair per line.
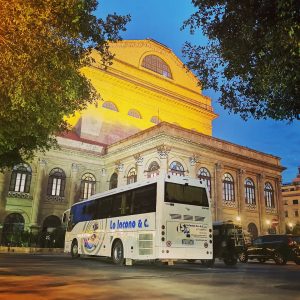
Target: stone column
194,159
261,204
241,193
122,180
37,194
139,166
163,152
218,192
279,205
73,186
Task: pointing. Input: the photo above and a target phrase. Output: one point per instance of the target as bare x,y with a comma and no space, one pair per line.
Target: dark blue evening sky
161,20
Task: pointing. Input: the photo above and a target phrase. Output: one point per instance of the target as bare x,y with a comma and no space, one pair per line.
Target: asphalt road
58,277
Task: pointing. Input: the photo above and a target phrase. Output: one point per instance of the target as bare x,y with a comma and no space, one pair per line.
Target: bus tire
117,253
74,249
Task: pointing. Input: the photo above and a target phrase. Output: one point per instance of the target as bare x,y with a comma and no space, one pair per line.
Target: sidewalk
5,249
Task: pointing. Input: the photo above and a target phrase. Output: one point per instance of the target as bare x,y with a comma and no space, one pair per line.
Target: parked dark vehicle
280,248
228,243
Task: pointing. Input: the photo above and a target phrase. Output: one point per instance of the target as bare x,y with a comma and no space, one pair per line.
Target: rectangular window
185,194
295,201
296,213
286,214
144,199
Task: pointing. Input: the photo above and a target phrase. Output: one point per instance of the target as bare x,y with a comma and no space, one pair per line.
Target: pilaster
37,196
218,192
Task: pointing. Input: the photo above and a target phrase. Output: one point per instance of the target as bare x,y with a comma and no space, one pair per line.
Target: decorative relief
42,162
194,159
262,176
75,167
231,204
56,199
271,210
119,166
163,151
250,206
138,159
103,172
241,171
19,195
219,166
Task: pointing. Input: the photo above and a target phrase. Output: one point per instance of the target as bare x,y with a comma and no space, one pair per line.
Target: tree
252,55
43,46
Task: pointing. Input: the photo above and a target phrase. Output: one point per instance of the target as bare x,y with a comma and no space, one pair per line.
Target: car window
257,241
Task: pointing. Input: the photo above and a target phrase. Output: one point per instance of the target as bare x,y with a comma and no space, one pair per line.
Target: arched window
157,65
51,222
176,168
13,228
204,175
110,105
56,182
153,169
134,113
155,120
20,178
228,188
252,229
269,195
113,182
131,176
249,191
88,185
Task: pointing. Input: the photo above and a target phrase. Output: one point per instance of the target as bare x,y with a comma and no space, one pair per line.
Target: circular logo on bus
169,243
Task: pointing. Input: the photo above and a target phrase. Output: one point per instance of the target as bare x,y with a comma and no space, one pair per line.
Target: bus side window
104,207
117,205
144,200
126,203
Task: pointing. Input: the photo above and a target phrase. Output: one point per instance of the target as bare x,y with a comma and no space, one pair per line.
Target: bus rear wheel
117,254
74,249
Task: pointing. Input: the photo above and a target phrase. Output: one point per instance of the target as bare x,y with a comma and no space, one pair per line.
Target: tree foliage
43,46
252,56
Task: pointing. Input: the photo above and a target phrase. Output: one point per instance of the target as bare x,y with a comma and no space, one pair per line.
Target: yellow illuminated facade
173,97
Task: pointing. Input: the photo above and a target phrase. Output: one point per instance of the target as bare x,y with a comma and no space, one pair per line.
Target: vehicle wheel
208,262
279,259
243,258
191,260
262,260
297,261
74,249
117,253
230,261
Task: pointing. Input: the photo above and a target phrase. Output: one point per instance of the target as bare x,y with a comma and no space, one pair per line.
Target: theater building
151,118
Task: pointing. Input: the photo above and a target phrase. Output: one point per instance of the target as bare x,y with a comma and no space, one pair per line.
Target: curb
31,250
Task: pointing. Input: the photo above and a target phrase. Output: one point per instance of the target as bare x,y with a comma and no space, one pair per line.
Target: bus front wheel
74,249
117,253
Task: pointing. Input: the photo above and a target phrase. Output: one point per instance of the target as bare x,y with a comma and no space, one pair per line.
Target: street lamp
291,225
268,222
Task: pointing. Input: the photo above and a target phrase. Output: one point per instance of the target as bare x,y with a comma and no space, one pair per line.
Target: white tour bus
166,218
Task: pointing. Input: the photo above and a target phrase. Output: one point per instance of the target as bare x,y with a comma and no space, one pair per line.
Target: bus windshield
185,194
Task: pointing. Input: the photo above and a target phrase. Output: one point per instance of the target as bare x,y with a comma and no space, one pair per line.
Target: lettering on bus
131,224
